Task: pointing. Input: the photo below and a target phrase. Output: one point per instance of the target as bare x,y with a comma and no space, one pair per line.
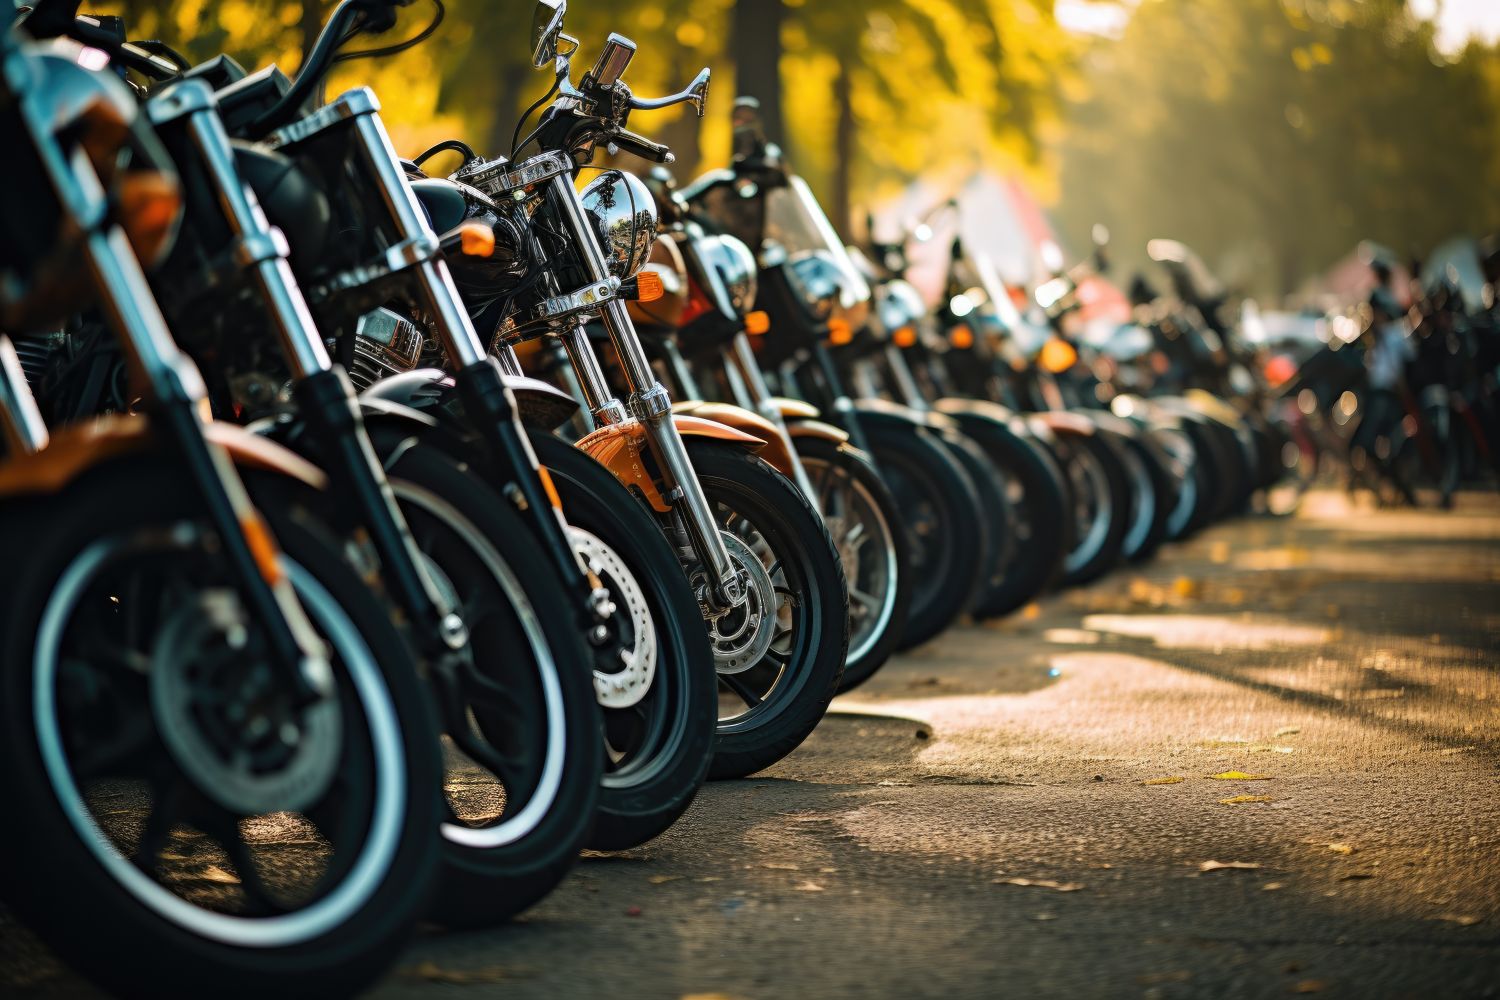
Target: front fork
323,393
748,385
489,405
648,402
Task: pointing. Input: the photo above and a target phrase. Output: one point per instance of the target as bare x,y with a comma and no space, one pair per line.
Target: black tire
1146,537
645,791
941,513
791,687
1038,498
997,520
1206,482
1099,480
528,642
830,465
75,898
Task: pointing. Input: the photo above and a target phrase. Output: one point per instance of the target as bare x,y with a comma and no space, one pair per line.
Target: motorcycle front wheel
780,654
864,521
659,717
224,839
516,822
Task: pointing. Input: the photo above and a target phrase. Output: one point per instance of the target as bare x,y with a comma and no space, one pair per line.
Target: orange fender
816,429
75,449
621,447
795,409
1064,423
748,426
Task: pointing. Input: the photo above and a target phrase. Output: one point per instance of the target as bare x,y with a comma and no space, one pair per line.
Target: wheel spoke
739,687
869,601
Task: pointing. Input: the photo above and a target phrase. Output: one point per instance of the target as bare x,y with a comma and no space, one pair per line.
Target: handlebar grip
640,146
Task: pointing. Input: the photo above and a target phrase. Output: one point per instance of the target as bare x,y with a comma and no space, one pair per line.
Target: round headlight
624,216
817,280
734,263
898,304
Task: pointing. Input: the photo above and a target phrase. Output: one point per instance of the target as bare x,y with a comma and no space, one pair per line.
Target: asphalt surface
1046,807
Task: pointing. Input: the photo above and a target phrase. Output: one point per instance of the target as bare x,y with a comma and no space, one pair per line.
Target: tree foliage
1273,135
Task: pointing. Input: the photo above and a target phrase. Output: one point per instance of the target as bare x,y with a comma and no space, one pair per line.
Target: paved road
1063,805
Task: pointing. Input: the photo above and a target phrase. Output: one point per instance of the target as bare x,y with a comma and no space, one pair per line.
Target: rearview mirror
546,25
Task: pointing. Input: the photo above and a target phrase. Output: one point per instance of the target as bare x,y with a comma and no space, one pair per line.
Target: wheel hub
741,635
230,728
637,658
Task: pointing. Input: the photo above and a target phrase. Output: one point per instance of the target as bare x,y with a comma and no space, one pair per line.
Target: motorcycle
194,678
763,570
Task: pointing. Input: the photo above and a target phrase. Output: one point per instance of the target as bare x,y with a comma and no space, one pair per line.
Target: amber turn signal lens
476,239
757,323
1058,355
839,331
648,286
149,203
905,336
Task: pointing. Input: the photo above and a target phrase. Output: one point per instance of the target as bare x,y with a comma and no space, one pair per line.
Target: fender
1062,424
539,403
794,409
799,429
749,422
961,408
887,412
75,449
622,449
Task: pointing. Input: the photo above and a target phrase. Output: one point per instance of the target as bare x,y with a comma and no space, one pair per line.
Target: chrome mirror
546,26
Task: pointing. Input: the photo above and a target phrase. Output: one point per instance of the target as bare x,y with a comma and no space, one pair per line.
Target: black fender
429,389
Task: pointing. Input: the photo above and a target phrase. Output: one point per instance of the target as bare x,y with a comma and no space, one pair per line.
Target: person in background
1388,350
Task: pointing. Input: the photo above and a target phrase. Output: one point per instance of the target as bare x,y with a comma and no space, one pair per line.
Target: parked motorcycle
191,682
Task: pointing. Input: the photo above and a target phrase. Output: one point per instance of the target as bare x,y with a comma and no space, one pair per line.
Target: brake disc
740,636
627,686
225,723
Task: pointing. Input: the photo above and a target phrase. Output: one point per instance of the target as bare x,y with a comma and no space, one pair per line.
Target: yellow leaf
1239,776
1341,848
1163,781
1040,883
1461,919
1215,866
663,879
1186,587
1236,800
809,887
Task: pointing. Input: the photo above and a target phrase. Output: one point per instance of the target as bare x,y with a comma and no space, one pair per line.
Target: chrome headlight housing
817,279
734,264
898,304
623,214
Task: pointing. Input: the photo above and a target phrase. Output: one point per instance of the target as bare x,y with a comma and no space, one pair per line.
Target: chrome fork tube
21,425
749,386
650,404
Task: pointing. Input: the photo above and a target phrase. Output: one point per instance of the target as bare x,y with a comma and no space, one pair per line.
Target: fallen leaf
1040,883
1045,916
1341,848
663,879
1032,611
1186,587
1214,866
213,873
1162,781
1239,776
1461,919
1236,800
809,887
1309,986
782,866
1272,886
1288,731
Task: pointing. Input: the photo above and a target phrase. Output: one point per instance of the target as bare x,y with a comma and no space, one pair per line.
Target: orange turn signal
757,323
839,331
648,286
905,336
1058,355
149,204
476,239
961,337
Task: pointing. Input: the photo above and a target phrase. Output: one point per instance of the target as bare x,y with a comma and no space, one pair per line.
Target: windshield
1457,261
796,221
